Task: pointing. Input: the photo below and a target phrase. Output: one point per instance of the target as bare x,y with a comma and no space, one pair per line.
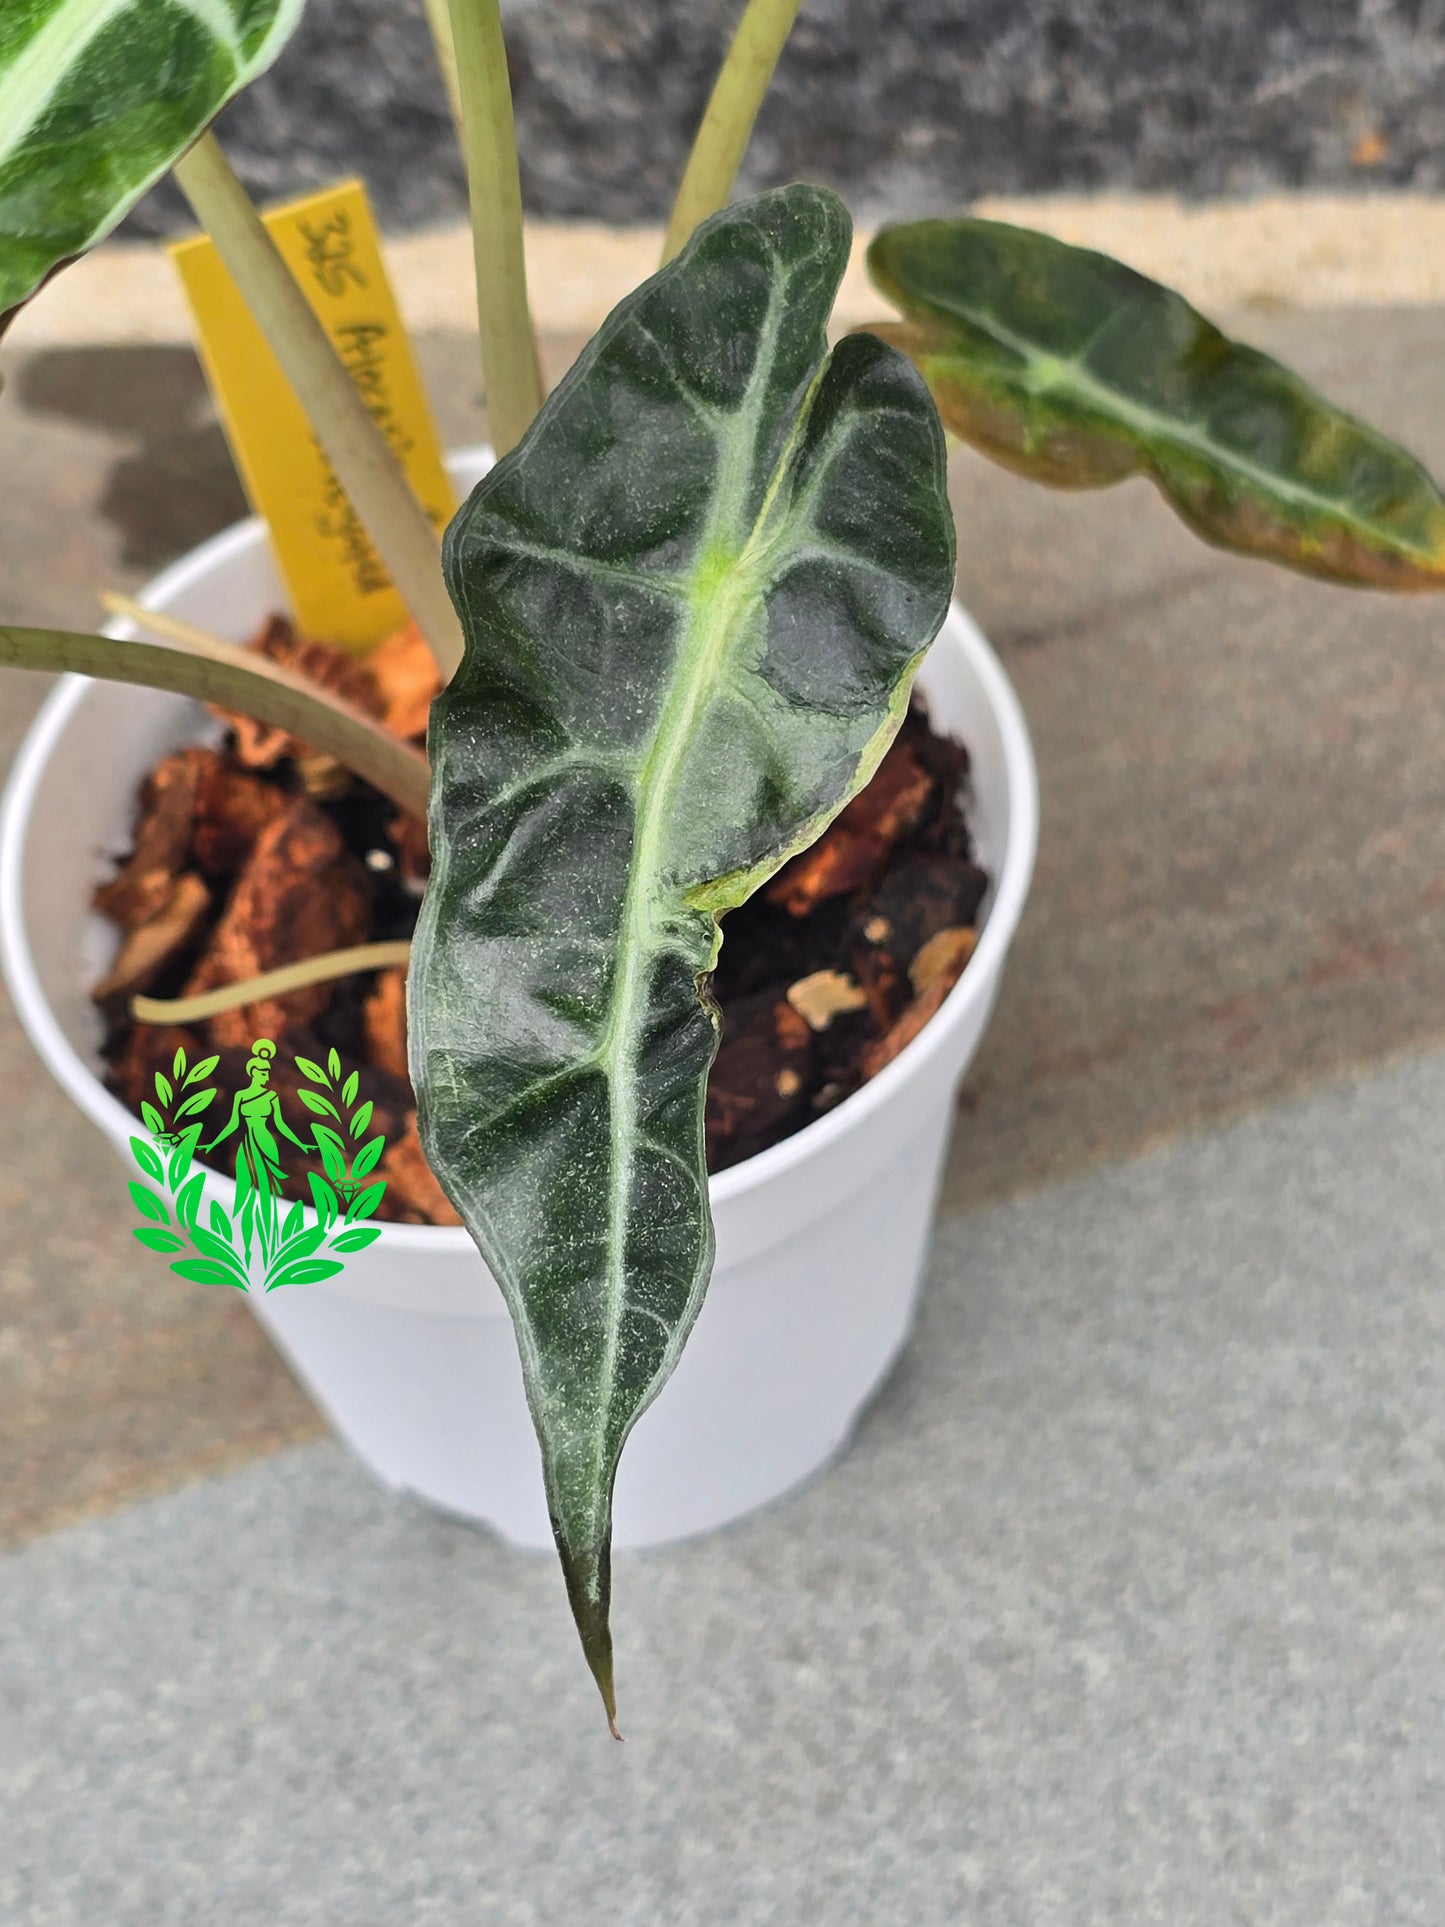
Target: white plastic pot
821,1241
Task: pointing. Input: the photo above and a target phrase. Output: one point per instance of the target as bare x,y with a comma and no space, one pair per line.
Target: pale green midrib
700,644
701,648
30,81
1167,428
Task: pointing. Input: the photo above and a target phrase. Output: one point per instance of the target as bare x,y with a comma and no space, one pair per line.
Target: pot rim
106,1111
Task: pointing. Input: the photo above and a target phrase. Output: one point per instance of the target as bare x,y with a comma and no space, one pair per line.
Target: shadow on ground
178,485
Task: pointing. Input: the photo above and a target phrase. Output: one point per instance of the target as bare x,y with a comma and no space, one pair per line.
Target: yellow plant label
338,588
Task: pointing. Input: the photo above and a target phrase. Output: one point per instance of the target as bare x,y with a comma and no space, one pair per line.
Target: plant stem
440,21
169,628
722,139
355,446
271,983
238,679
509,351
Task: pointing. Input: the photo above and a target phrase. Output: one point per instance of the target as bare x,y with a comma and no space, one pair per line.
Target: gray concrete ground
1126,1606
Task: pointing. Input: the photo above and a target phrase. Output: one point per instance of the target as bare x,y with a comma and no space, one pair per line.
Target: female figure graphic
259,1176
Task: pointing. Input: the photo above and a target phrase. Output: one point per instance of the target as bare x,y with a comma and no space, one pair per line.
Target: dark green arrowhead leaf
1077,371
694,598
99,99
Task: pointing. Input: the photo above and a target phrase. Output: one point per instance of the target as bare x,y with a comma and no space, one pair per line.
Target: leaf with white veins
99,99
1076,371
694,598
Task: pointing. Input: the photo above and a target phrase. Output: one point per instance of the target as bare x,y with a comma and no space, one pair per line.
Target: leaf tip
588,1574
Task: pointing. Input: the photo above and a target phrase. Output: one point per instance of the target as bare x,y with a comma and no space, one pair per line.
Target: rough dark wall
902,104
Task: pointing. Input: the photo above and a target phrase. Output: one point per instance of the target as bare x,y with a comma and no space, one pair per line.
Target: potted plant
679,621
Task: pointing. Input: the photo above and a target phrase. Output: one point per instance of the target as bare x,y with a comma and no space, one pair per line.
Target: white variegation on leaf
98,100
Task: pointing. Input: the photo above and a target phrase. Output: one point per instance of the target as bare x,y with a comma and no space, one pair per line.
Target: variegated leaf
98,99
